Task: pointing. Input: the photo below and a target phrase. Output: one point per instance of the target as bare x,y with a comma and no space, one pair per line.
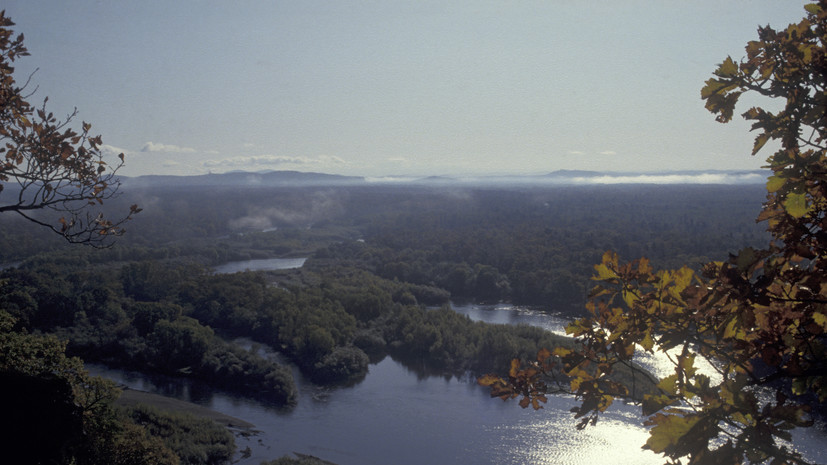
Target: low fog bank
560,177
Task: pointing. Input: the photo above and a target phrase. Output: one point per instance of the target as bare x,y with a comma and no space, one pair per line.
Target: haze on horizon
413,88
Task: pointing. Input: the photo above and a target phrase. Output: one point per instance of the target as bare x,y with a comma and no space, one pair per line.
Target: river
396,416
258,265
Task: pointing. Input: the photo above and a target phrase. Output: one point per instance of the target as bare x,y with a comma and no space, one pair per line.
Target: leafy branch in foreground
47,165
758,319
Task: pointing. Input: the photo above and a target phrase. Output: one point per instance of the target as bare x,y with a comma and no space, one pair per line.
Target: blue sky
393,87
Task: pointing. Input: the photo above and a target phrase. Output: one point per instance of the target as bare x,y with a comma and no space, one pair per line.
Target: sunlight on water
613,441
658,362
397,416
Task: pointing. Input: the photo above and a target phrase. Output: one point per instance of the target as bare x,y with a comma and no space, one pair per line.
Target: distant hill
562,177
573,174
245,179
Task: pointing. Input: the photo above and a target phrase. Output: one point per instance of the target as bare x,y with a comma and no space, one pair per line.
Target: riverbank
132,397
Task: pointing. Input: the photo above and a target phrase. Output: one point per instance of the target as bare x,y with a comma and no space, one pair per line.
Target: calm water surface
398,417
260,265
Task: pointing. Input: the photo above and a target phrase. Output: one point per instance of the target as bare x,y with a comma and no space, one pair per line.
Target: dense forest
383,265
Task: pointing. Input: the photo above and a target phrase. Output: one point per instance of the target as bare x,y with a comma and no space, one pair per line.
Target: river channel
396,416
261,264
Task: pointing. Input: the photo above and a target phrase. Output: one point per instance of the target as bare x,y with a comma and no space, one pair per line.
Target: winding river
396,416
261,264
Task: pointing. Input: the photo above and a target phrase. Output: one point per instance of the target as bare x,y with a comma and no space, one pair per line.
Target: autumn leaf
796,205
775,183
668,431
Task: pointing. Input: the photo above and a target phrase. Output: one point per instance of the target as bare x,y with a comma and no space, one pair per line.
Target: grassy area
131,398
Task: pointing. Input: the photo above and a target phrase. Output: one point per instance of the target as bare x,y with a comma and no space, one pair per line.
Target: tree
54,412
759,317
47,165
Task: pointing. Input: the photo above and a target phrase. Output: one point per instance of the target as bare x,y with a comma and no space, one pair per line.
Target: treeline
181,320
384,263
539,246
417,246
53,412
90,309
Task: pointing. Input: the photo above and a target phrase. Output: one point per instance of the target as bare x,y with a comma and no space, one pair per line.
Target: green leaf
728,68
653,403
668,431
687,364
759,142
745,259
714,86
813,8
648,343
669,384
796,205
774,183
799,386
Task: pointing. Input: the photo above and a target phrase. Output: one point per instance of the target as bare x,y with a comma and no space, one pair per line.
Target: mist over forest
384,263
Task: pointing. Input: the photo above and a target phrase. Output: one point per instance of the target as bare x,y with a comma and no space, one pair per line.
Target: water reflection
400,416
260,265
513,315
810,442
396,416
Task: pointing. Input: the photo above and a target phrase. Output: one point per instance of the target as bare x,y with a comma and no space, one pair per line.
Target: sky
382,88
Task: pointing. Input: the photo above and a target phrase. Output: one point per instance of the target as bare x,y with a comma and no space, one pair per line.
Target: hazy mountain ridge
245,178
298,178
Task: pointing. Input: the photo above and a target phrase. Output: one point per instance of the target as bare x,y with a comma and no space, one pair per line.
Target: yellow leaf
743,419
669,384
603,272
653,403
687,365
760,141
774,183
683,278
820,319
643,266
630,298
562,351
647,342
728,68
733,329
489,380
515,366
668,431
796,205
813,8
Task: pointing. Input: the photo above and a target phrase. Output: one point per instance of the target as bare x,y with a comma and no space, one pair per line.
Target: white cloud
269,160
576,152
693,178
111,150
168,148
608,152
